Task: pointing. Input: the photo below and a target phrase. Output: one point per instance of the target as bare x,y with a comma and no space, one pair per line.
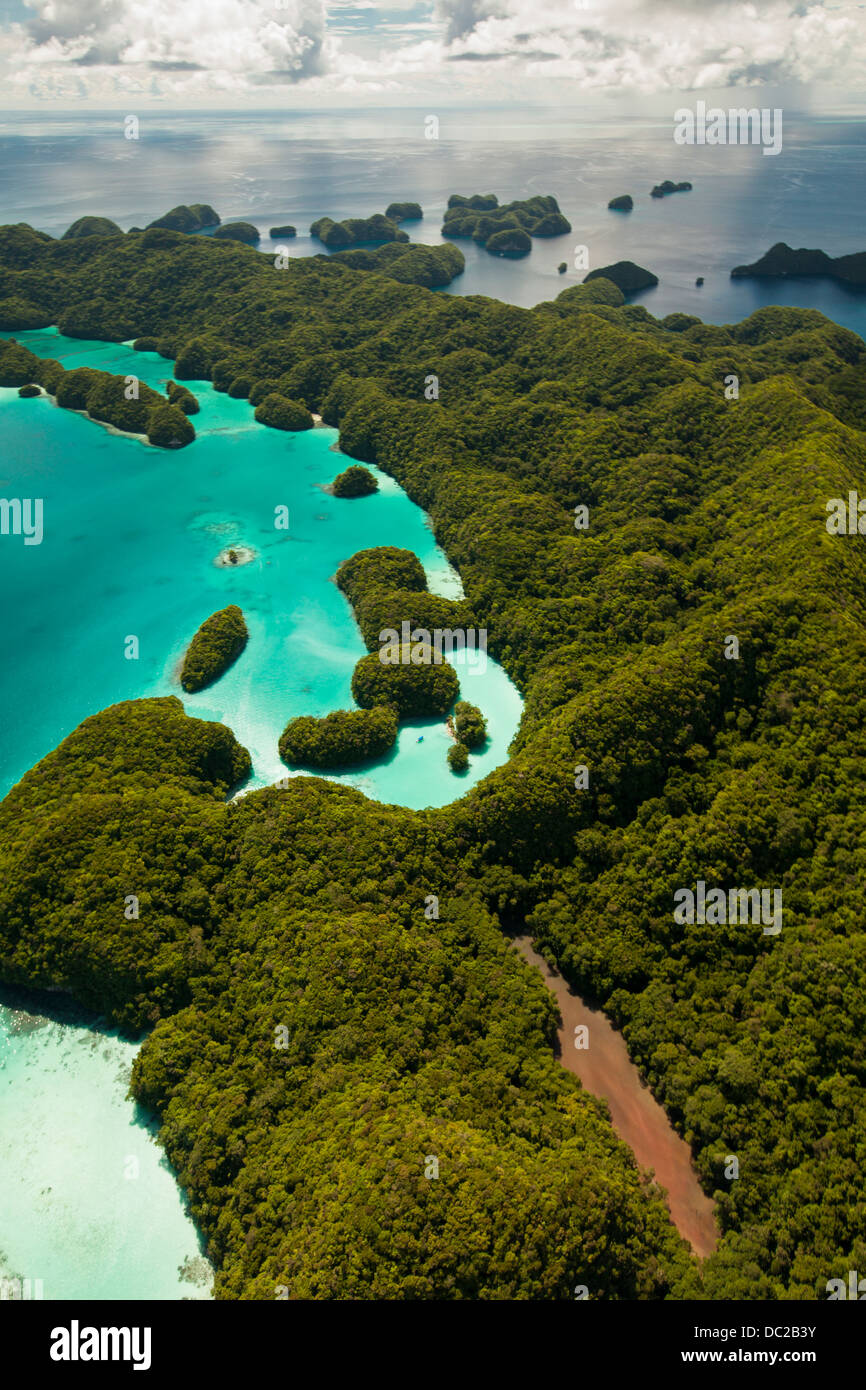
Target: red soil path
605,1069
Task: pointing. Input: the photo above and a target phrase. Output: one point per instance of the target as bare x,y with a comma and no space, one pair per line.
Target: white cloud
654,44
89,49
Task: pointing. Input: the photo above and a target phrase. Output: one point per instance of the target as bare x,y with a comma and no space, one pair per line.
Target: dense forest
353,1070
217,644
339,739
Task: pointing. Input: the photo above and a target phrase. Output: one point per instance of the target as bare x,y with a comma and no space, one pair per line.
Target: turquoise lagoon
89,1207
131,535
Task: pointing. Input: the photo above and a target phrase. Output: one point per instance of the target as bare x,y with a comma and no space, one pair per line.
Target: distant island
627,276
624,203
782,262
288,231
188,218
217,644
506,230
662,190
355,230
404,212
238,231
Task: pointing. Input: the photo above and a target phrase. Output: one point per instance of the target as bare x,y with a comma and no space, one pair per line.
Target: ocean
270,168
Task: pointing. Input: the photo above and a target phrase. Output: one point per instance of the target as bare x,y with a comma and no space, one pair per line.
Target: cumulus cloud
95,47
247,38
657,44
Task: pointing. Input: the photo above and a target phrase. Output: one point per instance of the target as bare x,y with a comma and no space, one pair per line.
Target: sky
236,54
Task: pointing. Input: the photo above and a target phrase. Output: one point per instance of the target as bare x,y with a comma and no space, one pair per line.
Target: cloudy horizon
248,54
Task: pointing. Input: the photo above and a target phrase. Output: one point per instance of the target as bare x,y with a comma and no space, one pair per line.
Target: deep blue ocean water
270,168
132,532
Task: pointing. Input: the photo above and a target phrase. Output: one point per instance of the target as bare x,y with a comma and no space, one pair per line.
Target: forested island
214,648
781,262
354,230
192,218
470,726
506,230
627,276
328,982
243,232
103,396
470,731
354,481
404,212
339,739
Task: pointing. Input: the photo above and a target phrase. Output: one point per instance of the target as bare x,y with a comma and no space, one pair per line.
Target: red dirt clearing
605,1069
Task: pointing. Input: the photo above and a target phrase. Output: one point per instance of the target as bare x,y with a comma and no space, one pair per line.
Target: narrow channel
605,1069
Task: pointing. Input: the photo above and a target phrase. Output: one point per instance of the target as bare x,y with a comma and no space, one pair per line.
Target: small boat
420,738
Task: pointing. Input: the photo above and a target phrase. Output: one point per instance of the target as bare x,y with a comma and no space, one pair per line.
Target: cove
605,1069
131,537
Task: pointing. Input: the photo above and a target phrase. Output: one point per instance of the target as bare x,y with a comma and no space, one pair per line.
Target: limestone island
781,262
235,555
283,413
189,219
469,725
217,644
287,231
458,757
505,230
414,689
100,395
627,276
404,212
354,230
511,241
344,737
624,203
354,482
238,231
662,190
